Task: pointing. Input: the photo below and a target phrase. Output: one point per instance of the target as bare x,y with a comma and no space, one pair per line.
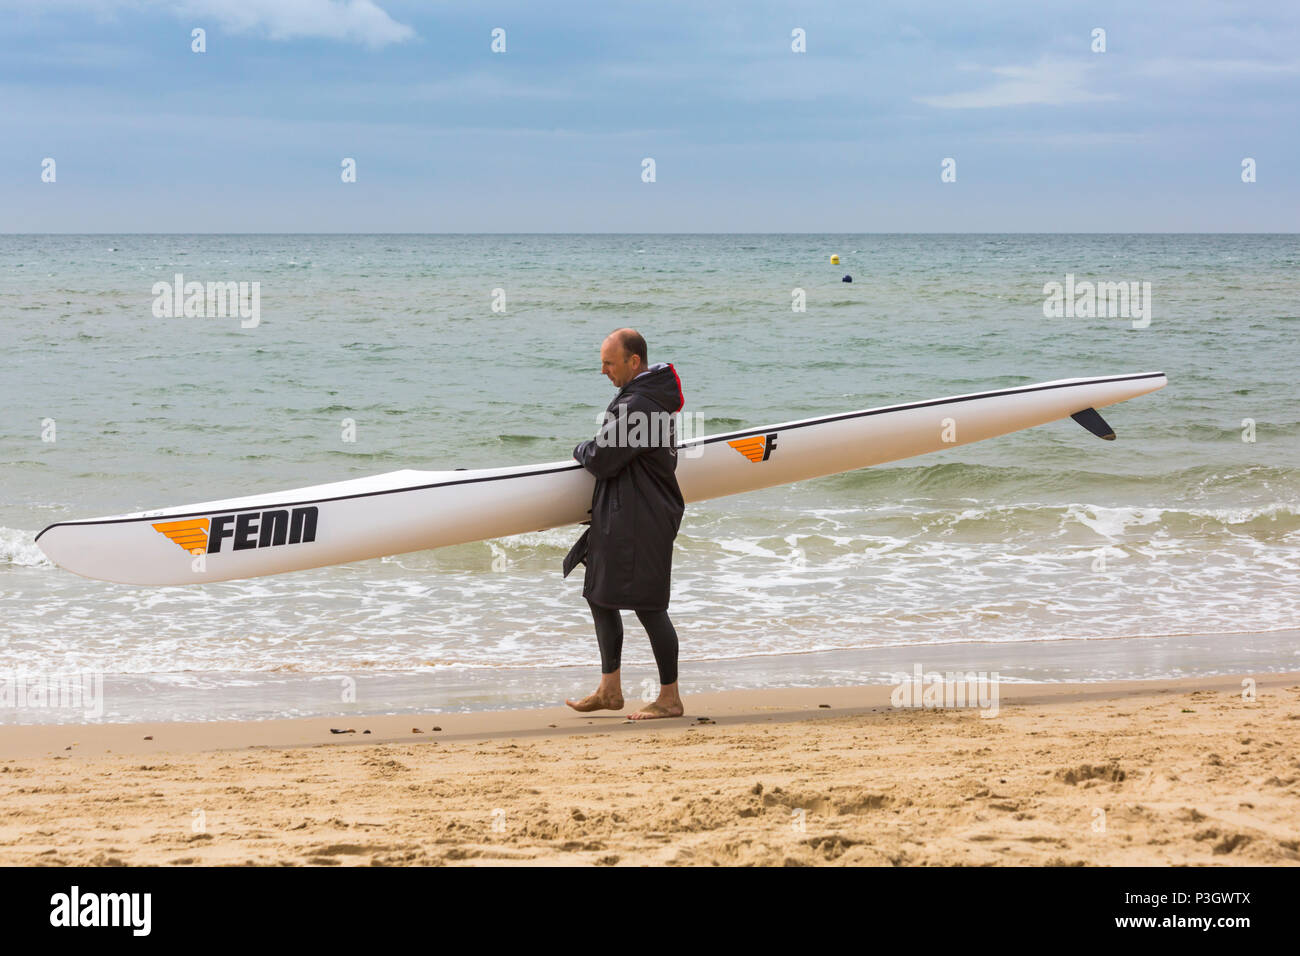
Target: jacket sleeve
603,456
578,553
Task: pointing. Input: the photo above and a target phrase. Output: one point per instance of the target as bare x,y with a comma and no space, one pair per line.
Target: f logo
756,448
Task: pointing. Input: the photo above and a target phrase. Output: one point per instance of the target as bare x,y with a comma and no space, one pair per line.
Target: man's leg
609,635
663,641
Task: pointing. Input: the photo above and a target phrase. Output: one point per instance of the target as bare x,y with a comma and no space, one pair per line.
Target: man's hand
609,452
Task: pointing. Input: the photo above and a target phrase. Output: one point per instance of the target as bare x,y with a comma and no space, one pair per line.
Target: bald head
622,356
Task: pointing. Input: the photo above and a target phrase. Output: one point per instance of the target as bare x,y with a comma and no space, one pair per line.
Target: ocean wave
18,548
922,521
644,305
1212,431
957,478
392,456
520,439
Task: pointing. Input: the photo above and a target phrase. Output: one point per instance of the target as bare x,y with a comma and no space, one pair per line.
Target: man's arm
604,456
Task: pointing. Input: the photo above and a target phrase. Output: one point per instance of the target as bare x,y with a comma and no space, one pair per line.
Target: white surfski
413,510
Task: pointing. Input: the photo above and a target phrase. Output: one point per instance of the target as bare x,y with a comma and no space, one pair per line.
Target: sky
1045,132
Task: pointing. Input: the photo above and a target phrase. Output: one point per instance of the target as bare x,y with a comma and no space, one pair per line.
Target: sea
1044,555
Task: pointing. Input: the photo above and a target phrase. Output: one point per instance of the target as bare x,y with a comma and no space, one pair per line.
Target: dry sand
1160,772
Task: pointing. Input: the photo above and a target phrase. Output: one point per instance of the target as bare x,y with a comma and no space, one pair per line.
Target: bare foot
597,701
652,711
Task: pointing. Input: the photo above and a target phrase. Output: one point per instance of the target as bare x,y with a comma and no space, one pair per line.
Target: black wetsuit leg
658,627
609,635
663,641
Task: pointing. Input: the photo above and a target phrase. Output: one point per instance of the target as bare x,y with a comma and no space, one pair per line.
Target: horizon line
659,233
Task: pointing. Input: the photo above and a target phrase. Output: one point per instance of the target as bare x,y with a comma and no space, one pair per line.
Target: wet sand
1120,773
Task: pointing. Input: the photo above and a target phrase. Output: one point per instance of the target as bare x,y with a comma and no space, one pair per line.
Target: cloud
360,21
1073,141
481,85
357,21
1047,83
1189,67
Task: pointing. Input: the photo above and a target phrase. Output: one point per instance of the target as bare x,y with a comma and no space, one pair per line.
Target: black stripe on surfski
1091,420
727,436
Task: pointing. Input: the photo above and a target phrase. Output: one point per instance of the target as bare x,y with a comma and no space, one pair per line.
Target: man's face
617,364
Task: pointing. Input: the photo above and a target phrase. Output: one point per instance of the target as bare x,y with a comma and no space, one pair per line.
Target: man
636,509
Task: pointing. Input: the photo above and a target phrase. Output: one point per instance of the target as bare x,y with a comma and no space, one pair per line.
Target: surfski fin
1092,421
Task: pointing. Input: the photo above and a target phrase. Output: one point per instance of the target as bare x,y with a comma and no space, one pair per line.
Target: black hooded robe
636,507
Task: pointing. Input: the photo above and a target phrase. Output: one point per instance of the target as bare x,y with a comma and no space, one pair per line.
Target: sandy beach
1124,773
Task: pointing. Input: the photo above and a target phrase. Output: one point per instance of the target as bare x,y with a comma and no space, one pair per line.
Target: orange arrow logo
757,447
191,535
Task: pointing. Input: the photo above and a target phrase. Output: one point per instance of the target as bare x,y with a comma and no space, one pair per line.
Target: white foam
19,548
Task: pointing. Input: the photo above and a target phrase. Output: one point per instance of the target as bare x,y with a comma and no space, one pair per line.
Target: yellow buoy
835,260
